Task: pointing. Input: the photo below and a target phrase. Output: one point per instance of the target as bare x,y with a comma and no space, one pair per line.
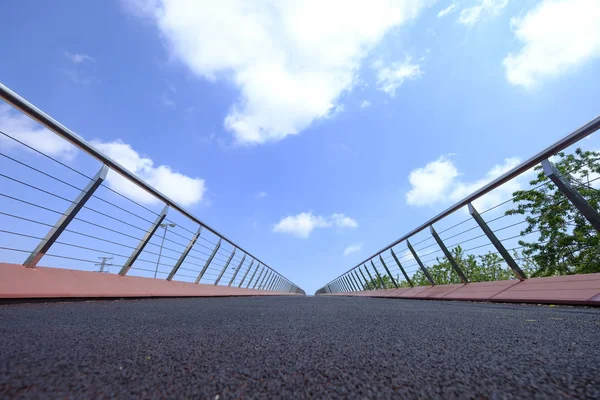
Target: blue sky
304,130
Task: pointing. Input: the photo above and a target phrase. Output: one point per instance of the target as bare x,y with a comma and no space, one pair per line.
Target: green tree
567,243
487,267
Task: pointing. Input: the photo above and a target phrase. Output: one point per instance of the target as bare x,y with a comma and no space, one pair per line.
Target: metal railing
424,255
76,216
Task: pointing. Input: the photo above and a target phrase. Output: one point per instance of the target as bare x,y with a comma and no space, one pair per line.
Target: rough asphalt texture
281,347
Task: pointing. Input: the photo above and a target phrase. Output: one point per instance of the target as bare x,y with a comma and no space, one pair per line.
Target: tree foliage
567,242
564,242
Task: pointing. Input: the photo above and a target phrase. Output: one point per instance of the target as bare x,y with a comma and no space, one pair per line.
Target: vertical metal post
367,286
449,256
414,253
401,268
372,281
349,284
184,254
212,255
238,268
245,275
378,275
252,277
140,247
258,279
357,281
329,287
497,244
225,266
267,286
271,286
388,271
572,194
354,288
263,280
64,220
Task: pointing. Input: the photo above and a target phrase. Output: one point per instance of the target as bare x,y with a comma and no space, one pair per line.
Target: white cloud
557,36
353,248
431,183
438,182
484,8
391,76
447,10
365,104
342,221
23,128
78,58
261,195
180,188
291,60
301,225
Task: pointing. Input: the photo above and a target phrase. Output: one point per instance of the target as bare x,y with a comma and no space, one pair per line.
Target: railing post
401,268
449,256
212,255
572,194
225,266
258,278
246,274
497,244
388,271
378,275
252,276
372,282
414,253
238,268
357,280
140,247
272,285
329,287
263,280
184,254
367,286
269,281
352,285
64,220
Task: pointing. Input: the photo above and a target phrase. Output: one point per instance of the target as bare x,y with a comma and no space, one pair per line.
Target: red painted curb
571,289
18,282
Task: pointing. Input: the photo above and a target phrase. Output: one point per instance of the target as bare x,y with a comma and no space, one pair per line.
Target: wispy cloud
451,8
391,76
31,133
301,225
484,8
353,248
181,188
261,195
557,37
439,182
365,104
78,58
291,60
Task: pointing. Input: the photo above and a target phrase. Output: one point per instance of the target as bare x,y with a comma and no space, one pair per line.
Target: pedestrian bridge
206,318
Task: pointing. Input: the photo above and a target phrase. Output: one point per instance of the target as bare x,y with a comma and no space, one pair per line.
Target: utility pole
103,264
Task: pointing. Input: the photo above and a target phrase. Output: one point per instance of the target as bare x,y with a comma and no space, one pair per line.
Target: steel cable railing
96,220
512,233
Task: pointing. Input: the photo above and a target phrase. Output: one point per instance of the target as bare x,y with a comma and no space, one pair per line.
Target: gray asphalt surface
281,347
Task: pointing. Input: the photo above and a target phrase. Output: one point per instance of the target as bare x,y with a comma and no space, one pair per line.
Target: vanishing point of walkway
298,347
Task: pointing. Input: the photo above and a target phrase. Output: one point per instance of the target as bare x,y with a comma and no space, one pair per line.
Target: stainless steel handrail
35,113
562,144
